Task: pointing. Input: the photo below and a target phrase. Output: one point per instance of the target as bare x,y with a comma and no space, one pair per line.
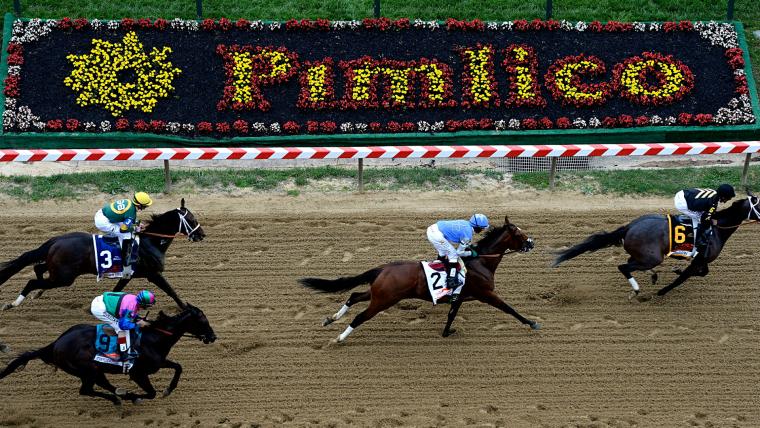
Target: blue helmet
479,220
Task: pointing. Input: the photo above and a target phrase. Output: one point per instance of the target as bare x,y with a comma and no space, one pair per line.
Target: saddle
680,236
438,266
108,260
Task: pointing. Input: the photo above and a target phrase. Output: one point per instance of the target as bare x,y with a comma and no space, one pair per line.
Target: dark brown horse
393,282
68,256
646,240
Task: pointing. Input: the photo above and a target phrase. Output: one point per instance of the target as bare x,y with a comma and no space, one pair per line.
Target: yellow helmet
142,199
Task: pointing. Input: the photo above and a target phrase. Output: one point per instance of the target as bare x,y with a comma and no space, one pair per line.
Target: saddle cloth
680,236
108,260
436,278
107,346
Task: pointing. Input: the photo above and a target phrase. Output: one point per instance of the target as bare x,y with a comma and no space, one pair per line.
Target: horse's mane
736,209
166,321
490,238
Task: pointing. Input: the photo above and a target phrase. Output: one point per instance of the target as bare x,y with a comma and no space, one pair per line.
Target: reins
748,220
183,224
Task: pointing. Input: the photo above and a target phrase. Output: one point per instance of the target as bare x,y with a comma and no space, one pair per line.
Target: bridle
509,251
753,208
186,334
183,225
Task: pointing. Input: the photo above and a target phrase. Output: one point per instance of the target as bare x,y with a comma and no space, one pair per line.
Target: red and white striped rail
378,152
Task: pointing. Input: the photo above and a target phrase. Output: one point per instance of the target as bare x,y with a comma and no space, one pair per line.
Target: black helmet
726,191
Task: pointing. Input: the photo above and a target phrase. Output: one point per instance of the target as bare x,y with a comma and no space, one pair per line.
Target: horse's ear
506,219
182,203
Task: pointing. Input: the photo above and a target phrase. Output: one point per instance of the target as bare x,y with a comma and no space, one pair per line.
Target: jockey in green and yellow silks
119,219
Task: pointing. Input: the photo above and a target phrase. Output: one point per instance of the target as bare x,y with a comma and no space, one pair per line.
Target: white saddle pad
436,281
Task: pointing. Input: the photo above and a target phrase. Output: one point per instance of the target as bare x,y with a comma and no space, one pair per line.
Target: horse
393,282
74,350
646,240
67,256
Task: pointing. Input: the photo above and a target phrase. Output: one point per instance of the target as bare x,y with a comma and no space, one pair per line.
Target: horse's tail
594,242
10,268
44,353
341,284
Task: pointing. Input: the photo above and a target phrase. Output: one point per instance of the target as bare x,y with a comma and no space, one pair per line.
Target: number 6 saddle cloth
680,236
435,274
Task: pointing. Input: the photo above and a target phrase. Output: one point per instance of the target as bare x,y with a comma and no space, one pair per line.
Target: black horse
68,256
646,240
74,350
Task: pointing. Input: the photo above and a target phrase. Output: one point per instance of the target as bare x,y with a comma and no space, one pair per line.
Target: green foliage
661,182
66,186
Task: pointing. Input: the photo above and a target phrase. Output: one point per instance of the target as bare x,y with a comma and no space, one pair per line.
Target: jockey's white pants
98,309
680,202
440,243
104,225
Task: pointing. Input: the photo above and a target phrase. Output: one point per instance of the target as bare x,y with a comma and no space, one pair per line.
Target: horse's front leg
448,331
682,277
142,380
492,299
163,284
168,364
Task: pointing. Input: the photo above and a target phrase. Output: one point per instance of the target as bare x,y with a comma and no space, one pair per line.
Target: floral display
225,78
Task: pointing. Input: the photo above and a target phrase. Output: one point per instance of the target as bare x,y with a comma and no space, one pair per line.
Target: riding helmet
479,220
726,191
142,199
145,298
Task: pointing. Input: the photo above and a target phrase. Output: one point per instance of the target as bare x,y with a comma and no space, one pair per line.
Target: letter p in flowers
248,69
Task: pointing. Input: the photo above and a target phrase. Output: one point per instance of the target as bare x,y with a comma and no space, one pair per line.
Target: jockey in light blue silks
447,233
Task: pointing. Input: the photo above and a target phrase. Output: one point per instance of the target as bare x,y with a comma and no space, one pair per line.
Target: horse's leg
168,364
683,276
352,300
121,284
102,381
143,382
87,389
163,284
447,331
632,266
37,284
375,306
39,271
489,297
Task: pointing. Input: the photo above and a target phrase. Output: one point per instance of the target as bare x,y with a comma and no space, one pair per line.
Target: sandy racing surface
688,359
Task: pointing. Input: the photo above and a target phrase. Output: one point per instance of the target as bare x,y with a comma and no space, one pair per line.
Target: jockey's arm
127,321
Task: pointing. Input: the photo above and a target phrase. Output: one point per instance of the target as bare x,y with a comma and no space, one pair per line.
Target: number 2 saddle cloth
435,274
680,236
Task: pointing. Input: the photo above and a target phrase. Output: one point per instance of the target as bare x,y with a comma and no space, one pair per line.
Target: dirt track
689,359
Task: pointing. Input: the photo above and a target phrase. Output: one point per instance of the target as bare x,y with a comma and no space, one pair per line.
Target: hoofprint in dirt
664,362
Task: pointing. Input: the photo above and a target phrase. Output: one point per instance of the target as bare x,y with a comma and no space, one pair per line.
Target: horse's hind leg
632,266
39,271
38,284
352,300
373,309
87,389
102,381
143,382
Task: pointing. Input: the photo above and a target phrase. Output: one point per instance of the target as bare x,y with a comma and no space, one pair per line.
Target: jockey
118,219
121,311
700,205
447,233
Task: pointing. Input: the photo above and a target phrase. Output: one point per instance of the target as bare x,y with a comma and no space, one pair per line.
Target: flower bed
224,78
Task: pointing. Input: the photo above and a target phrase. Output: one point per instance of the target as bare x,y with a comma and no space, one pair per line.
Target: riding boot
126,255
703,239
451,280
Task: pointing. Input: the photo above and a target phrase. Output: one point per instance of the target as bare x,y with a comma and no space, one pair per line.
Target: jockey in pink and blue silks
121,311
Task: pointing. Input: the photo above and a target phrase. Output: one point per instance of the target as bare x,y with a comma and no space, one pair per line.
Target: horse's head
188,225
194,322
507,237
753,203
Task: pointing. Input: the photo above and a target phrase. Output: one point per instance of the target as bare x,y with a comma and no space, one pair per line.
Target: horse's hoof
535,325
661,293
450,332
4,348
633,294
137,401
166,393
6,307
327,321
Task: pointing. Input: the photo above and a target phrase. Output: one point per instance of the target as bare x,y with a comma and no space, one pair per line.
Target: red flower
685,26
291,127
54,125
328,127
393,126
529,123
684,118
486,123
312,127
224,24
703,118
14,48
240,126
375,126
453,125
141,126
204,127
81,23
625,121
207,24
222,127
72,124
242,24
564,123
401,24
322,24
160,24
15,59
609,122
65,23
545,123
520,25
596,27
617,27
157,125
642,121
128,23
144,23
292,24
122,124
552,25
536,25
12,86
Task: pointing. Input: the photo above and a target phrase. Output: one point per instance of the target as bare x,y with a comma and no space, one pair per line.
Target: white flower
670,120
437,126
39,125
639,26
346,127
579,123
257,25
113,25
360,127
90,126
507,25
10,104
32,31
500,125
655,120
514,124
423,126
720,34
173,127
105,126
188,127
492,25
565,25
259,127
655,26
275,25
275,127
594,122
737,72
581,26
96,24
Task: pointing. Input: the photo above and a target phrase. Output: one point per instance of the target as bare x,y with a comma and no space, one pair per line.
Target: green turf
67,186
747,11
663,182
